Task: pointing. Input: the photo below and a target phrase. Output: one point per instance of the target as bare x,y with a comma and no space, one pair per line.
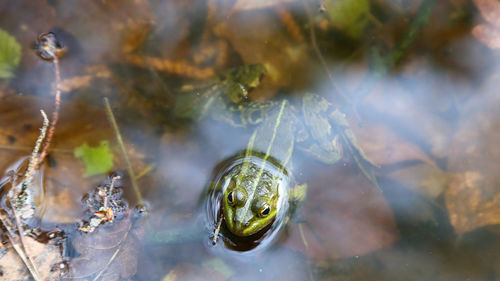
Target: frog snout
239,227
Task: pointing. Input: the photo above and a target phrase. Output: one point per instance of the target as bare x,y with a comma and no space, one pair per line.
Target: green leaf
97,160
350,16
10,54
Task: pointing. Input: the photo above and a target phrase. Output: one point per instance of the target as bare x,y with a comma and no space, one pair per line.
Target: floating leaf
349,16
10,54
98,160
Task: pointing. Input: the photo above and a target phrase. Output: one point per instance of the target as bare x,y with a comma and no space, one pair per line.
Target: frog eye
230,198
237,197
264,212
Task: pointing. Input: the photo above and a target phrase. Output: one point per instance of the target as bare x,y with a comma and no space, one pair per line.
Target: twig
217,229
111,186
312,34
20,252
118,136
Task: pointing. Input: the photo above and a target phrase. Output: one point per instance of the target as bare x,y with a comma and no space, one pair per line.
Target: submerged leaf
10,54
343,216
473,196
98,160
110,253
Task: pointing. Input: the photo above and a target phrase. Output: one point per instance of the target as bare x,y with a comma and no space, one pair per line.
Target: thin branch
118,136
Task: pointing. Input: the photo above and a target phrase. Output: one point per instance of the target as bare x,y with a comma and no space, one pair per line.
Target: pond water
386,109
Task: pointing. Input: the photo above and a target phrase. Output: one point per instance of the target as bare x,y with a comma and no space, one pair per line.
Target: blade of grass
118,136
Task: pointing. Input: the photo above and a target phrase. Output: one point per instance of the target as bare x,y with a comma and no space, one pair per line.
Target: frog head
249,201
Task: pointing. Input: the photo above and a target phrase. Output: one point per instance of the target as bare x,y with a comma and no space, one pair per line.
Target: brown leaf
242,5
46,257
344,216
412,116
469,206
490,10
104,28
426,179
384,146
488,35
473,196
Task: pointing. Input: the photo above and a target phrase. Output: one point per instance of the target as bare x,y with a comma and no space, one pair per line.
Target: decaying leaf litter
444,162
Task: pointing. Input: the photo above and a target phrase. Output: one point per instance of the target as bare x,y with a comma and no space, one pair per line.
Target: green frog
255,192
219,97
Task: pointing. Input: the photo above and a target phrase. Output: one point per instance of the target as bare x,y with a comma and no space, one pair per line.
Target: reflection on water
418,83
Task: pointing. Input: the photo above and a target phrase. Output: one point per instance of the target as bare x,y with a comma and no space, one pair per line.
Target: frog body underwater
255,190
